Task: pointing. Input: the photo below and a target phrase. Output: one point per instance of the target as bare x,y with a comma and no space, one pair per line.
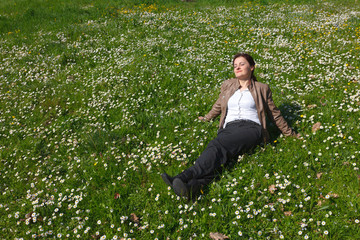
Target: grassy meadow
98,98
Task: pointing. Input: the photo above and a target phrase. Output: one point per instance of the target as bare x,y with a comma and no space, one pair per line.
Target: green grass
98,98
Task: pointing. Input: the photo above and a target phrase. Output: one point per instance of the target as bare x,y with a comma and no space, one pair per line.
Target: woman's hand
201,118
298,136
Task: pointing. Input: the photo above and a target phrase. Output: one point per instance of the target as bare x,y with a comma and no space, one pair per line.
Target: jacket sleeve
216,108
275,115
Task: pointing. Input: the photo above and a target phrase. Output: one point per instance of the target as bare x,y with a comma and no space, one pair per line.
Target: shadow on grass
290,111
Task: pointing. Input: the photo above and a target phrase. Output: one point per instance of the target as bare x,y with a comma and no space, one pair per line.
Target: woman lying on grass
242,105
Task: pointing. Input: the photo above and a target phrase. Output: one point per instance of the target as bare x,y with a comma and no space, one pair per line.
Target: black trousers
237,138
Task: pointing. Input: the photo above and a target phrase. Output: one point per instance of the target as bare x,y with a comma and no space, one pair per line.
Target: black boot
194,189
180,188
190,190
185,176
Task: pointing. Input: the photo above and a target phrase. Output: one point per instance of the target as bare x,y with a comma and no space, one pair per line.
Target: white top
240,106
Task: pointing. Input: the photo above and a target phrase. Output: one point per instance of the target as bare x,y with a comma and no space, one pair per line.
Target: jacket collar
251,84
237,84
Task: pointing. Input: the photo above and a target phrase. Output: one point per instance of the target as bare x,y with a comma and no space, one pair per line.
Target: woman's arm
275,115
214,112
216,108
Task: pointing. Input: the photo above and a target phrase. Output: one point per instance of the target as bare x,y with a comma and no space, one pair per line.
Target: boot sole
166,179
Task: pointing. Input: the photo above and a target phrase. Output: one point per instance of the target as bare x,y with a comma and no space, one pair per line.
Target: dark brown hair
250,61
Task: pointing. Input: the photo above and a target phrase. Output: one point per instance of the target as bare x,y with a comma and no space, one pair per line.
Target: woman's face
242,68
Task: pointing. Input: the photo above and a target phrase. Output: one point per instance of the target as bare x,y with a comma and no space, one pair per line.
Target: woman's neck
244,84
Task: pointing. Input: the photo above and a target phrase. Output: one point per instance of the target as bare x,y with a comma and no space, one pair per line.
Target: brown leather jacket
264,104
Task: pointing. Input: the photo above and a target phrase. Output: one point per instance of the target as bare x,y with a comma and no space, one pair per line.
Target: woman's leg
230,142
